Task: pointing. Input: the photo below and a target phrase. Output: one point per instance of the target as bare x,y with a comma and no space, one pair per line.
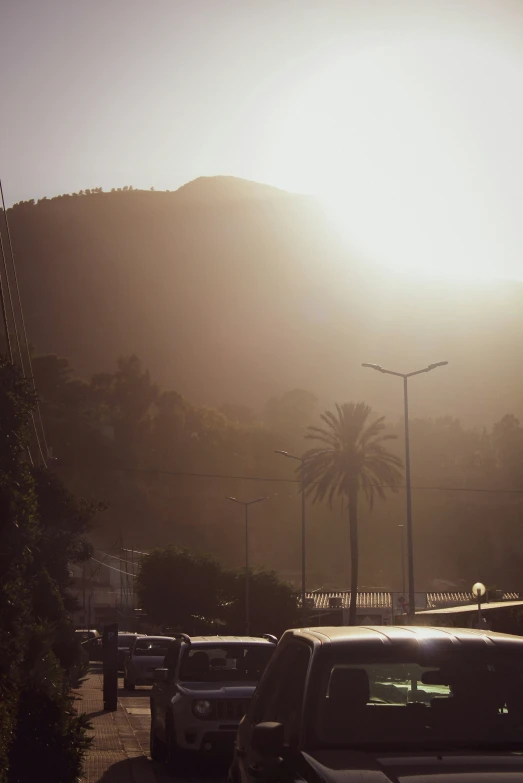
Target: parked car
145,655
125,642
91,641
202,692
386,704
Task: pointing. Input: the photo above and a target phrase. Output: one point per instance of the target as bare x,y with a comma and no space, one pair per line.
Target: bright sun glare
412,149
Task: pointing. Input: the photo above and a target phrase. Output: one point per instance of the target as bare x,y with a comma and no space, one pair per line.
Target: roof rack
270,638
183,636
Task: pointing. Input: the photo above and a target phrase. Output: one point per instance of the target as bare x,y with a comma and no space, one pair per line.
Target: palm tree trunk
354,557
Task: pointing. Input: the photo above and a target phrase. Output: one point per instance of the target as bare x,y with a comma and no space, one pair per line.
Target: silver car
145,655
202,692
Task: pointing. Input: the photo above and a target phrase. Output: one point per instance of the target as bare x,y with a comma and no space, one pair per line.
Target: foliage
181,589
351,458
189,592
41,527
273,603
50,739
111,436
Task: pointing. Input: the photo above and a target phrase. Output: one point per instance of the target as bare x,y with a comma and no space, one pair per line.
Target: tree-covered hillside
234,292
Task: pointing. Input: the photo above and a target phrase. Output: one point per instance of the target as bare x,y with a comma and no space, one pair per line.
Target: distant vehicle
125,642
91,641
202,692
386,704
145,655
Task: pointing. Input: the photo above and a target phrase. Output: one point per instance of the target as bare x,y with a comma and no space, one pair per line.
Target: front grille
229,709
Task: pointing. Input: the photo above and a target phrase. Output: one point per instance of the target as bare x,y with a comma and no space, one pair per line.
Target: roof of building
397,635
383,600
472,607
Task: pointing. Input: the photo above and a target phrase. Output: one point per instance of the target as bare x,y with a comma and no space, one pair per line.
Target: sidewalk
116,755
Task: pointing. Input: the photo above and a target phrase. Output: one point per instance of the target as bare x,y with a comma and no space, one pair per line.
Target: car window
148,646
404,702
282,696
230,662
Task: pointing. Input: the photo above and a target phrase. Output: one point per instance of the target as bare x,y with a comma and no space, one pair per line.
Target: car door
280,699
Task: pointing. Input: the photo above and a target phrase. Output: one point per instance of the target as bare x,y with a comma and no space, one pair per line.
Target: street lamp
246,504
410,550
303,460
478,591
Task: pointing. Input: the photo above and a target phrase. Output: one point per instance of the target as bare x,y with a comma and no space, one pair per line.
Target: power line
114,557
20,308
2,298
182,473
120,570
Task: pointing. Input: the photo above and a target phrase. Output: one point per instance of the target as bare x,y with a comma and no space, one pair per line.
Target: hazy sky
406,117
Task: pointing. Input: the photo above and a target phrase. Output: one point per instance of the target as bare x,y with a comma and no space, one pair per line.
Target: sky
404,118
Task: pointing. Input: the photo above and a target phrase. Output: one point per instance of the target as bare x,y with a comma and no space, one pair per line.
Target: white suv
202,692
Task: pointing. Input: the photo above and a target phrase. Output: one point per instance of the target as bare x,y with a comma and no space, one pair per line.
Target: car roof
399,634
155,639
209,640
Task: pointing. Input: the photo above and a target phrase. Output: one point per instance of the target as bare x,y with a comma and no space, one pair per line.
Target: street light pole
410,542
303,460
478,591
410,545
402,528
246,504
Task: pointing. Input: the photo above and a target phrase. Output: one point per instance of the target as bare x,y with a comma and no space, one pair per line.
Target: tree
181,589
186,591
273,603
351,457
41,528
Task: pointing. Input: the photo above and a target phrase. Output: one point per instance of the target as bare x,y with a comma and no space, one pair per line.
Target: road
136,705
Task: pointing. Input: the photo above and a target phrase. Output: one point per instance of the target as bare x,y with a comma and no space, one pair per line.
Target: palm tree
351,457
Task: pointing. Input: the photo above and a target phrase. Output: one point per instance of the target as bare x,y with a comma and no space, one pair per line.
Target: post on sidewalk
110,667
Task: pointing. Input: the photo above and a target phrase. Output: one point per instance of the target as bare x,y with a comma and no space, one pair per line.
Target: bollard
110,667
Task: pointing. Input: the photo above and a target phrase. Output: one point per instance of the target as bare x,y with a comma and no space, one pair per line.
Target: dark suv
386,704
201,694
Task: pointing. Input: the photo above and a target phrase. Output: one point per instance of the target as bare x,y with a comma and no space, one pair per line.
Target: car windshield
225,662
157,647
462,700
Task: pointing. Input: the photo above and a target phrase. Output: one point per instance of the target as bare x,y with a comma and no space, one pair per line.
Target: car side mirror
268,739
161,675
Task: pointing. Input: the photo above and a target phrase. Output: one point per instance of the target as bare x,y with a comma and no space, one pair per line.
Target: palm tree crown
352,456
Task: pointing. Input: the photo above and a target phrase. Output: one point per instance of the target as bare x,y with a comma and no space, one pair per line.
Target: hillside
234,291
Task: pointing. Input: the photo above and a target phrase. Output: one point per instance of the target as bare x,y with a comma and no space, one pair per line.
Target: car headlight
202,708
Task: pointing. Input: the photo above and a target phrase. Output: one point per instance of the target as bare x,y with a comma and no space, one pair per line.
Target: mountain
234,291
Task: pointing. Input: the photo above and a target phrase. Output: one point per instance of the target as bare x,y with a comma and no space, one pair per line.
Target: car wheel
128,685
157,749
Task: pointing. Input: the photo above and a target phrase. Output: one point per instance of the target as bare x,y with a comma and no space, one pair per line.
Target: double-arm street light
303,460
410,552
246,504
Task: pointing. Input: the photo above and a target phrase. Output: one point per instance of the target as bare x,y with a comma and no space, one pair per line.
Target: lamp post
303,460
410,550
478,591
402,539
246,504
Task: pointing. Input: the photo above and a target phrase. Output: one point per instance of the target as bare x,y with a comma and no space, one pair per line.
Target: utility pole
246,504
